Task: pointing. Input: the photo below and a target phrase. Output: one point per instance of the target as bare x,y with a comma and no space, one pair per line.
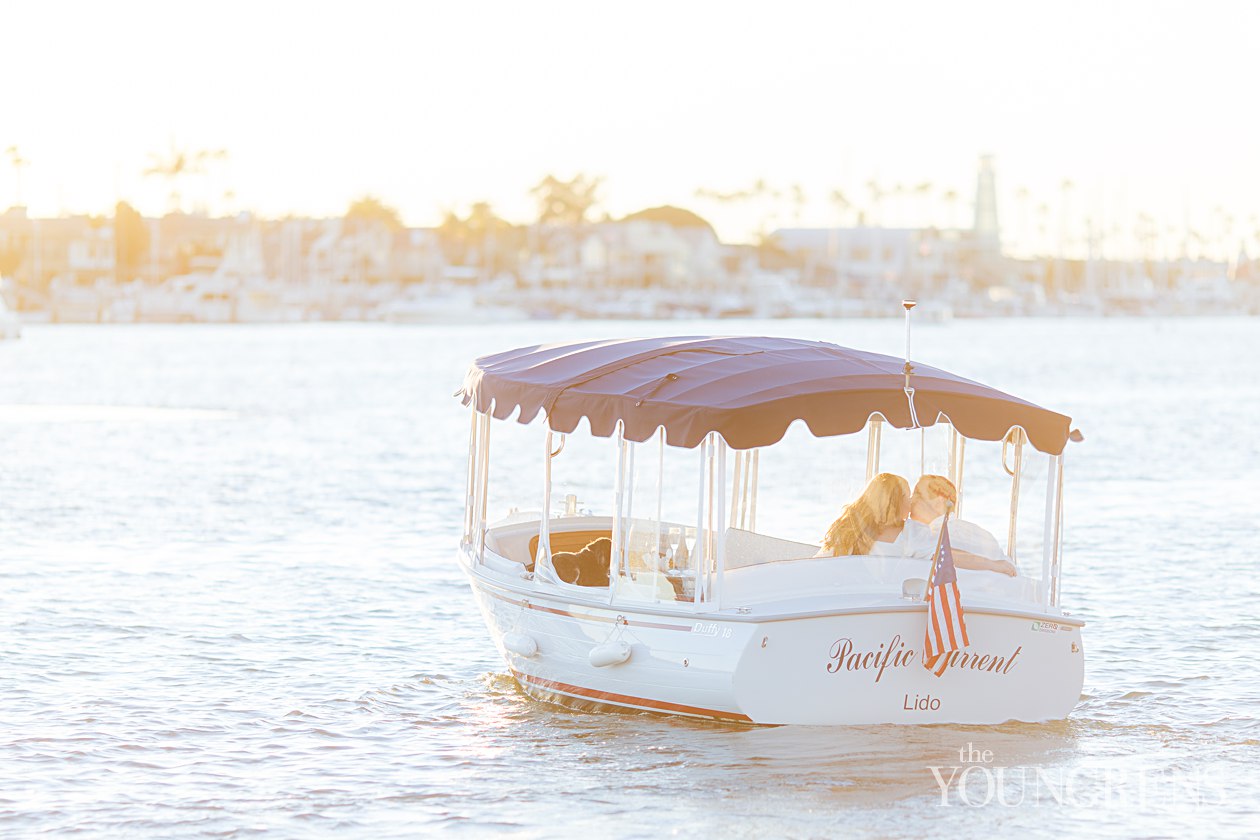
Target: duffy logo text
895,654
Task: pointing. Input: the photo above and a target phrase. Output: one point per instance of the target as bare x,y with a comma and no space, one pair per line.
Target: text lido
897,655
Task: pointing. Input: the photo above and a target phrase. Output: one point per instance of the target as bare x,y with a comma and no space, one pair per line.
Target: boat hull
869,669
851,666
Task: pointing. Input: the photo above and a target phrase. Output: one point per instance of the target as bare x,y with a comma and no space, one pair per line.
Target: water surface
229,604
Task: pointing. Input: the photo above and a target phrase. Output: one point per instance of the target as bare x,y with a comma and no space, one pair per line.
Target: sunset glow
1097,114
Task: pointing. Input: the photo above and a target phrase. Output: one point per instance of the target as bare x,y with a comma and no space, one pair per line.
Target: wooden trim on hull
529,682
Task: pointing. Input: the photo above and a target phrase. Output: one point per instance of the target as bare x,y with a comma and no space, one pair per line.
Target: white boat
448,306
705,606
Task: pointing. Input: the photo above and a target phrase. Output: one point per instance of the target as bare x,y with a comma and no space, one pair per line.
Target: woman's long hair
878,507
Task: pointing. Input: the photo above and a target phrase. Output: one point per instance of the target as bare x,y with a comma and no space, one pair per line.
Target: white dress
915,540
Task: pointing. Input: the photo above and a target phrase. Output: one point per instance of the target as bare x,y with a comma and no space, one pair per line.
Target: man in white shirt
973,546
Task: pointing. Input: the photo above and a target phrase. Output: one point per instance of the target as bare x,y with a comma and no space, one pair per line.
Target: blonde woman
876,523
973,547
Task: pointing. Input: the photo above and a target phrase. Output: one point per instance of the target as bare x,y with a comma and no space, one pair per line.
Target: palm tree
565,202
1064,212
758,193
1171,234
18,163
177,164
1225,224
841,202
877,194
1146,232
769,197
452,237
1021,198
1043,223
369,211
722,197
565,205
491,236
923,192
899,210
950,198
798,202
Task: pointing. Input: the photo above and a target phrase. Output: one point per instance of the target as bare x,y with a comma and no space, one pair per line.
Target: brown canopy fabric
747,389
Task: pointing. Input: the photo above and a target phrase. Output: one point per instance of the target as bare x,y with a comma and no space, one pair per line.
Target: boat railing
760,569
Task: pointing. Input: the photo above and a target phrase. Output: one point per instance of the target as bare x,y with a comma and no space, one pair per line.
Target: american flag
946,628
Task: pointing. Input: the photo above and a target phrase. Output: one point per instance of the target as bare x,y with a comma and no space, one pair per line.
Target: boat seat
567,541
747,548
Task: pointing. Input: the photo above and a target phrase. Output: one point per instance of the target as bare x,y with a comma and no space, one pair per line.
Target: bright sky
1146,107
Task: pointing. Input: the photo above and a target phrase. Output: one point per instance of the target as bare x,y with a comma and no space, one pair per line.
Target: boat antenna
909,369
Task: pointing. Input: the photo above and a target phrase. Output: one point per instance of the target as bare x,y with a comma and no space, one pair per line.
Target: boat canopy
747,389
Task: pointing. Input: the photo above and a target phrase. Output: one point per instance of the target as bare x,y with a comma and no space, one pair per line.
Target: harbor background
486,162
574,260
230,605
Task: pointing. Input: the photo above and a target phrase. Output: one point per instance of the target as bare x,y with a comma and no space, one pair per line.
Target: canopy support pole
628,491
874,432
616,558
744,489
542,560
1056,567
1017,473
706,556
752,491
718,521
483,481
1047,548
711,535
660,485
697,554
957,462
470,495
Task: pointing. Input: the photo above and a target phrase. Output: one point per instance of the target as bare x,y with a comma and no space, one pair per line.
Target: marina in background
662,262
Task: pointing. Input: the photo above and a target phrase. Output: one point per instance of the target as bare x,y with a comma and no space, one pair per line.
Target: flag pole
936,555
909,369
950,616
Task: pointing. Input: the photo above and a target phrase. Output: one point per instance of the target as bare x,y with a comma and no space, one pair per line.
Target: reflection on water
103,413
229,604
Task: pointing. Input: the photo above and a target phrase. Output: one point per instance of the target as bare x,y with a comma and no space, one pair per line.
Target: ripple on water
249,622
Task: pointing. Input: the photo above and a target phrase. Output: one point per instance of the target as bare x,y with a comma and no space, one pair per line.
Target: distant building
985,227
662,247
876,262
76,251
